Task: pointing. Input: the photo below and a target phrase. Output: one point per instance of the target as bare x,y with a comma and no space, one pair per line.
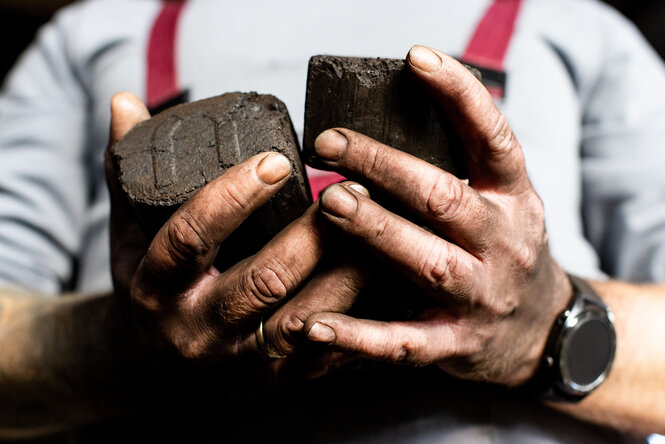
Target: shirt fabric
584,97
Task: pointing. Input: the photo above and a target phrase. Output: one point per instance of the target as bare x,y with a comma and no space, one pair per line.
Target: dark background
20,19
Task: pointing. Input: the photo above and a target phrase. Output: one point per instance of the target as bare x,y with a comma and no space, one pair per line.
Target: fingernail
273,168
359,188
330,145
338,201
424,59
321,333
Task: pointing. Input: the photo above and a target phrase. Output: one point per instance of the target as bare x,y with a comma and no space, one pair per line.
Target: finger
445,203
332,290
254,287
250,289
412,342
187,244
494,156
126,111
428,260
127,240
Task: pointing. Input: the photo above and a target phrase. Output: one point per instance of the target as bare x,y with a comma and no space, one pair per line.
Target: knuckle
406,351
269,282
446,198
525,258
184,236
293,323
288,331
381,227
371,159
498,307
501,137
440,267
236,198
506,308
527,253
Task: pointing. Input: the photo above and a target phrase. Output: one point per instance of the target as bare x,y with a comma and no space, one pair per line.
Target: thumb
127,240
126,111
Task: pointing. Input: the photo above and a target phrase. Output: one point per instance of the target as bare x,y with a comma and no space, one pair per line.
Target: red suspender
162,75
490,41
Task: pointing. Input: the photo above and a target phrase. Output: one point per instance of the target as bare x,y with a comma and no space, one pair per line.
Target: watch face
587,352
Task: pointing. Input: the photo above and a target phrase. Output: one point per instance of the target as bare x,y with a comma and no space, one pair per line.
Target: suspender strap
162,75
490,41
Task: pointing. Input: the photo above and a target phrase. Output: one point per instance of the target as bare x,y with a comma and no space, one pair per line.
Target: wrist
546,311
580,348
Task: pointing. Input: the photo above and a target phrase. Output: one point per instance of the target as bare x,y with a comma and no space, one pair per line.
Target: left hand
485,260
188,311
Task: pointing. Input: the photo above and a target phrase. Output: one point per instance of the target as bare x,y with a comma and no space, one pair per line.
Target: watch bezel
553,379
574,321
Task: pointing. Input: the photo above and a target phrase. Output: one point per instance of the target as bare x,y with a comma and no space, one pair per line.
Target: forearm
633,396
67,361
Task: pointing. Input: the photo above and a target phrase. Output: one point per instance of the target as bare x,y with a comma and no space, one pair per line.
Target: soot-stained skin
163,161
381,99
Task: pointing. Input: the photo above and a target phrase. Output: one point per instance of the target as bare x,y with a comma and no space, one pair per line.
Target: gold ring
265,348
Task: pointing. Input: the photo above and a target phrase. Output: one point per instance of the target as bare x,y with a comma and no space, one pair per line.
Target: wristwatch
580,349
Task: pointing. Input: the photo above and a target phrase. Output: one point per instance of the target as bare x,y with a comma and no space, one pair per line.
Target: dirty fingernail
330,145
338,201
321,333
424,59
273,168
359,188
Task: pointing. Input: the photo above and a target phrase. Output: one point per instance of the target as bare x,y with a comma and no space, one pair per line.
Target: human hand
485,260
183,303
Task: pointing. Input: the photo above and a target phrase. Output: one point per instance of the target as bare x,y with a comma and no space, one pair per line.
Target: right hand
183,303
